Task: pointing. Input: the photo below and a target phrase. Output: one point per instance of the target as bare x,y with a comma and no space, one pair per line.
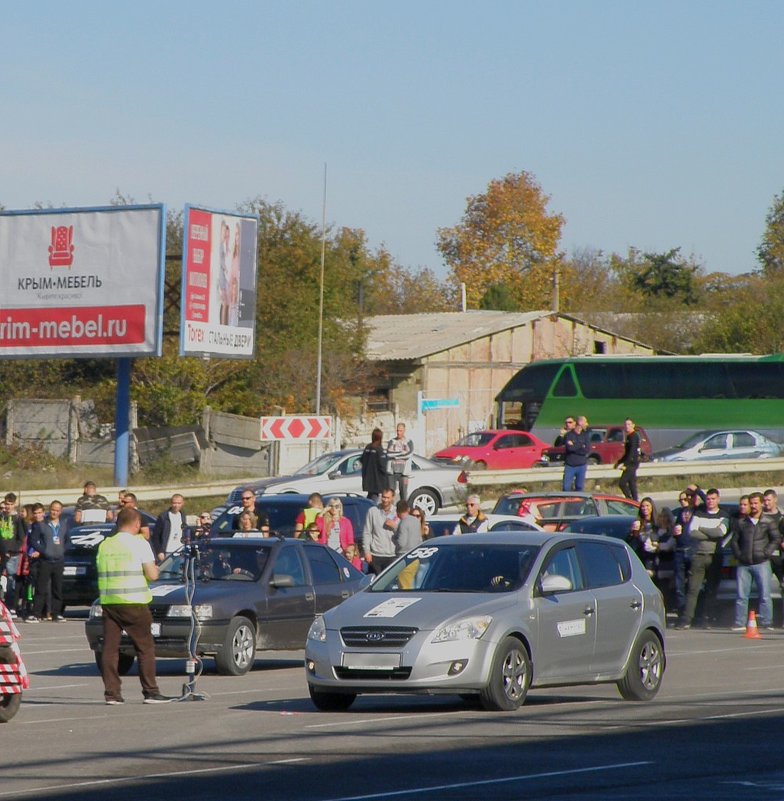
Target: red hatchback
494,449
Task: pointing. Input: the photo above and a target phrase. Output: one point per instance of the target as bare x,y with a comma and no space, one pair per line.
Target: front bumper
418,666
171,637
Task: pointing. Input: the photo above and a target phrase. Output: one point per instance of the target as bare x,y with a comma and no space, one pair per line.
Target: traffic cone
752,632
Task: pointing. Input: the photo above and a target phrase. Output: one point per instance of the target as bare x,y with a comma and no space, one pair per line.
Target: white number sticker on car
571,628
391,607
421,553
89,539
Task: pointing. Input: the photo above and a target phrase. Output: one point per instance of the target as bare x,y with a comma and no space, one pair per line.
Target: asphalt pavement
712,732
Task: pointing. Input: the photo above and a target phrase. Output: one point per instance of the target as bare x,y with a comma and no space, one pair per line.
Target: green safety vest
117,583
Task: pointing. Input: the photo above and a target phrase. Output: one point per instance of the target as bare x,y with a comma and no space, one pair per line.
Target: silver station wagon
486,616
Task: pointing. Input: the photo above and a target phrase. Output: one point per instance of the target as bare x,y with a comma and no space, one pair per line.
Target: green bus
669,396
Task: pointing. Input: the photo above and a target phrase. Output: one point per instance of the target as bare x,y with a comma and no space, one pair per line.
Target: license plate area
371,661
74,570
155,629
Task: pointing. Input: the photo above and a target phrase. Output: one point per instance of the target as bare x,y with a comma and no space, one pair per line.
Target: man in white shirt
170,529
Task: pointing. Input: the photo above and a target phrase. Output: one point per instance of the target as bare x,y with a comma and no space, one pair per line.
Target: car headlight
318,631
201,611
96,611
469,628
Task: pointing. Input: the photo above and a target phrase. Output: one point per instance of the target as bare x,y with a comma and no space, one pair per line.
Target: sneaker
114,701
682,626
31,619
738,628
13,614
157,698
59,619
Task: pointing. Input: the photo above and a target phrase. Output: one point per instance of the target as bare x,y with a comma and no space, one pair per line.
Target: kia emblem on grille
375,636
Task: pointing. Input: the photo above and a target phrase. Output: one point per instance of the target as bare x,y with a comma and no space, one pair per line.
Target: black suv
80,575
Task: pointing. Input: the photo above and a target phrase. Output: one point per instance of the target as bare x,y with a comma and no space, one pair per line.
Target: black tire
331,702
645,670
510,677
9,706
239,648
426,500
124,664
594,459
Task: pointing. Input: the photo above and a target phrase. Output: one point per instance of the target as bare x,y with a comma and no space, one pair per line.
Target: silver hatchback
486,616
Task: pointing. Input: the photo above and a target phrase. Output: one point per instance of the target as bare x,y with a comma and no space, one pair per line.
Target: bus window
565,386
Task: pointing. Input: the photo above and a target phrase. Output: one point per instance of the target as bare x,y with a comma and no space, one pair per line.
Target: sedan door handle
345,594
309,596
588,610
636,605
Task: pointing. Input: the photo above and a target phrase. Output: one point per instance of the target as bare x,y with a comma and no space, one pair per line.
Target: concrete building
465,359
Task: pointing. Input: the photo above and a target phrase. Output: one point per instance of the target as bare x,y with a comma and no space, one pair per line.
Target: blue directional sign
431,404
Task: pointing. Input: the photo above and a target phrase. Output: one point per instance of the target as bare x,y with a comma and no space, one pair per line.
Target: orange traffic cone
752,632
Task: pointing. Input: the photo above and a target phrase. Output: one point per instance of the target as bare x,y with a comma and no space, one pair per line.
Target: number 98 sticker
422,553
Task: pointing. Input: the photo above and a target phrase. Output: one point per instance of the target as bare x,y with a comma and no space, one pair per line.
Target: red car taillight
462,478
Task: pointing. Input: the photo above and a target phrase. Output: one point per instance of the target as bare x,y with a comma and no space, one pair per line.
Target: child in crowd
352,554
312,532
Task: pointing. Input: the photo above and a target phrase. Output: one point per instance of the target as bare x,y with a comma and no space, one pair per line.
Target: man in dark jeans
576,450
708,526
630,460
47,546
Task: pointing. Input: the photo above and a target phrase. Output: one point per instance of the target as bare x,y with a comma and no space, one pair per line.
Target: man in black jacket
576,450
755,539
630,460
47,545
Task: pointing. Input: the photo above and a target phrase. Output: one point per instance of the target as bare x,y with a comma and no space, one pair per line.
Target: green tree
506,236
659,276
499,297
770,251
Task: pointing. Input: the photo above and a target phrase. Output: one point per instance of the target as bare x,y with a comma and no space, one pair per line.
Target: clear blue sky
649,124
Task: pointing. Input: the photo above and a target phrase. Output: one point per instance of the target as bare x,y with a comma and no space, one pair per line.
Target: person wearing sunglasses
260,520
473,520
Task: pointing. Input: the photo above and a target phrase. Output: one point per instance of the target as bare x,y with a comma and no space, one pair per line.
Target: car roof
538,538
557,495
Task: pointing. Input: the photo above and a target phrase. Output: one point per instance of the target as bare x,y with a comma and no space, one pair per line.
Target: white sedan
430,487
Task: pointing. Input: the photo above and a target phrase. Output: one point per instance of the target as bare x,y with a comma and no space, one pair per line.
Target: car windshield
320,465
219,562
476,440
694,439
459,568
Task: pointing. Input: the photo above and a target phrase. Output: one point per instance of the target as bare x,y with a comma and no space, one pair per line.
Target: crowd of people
684,552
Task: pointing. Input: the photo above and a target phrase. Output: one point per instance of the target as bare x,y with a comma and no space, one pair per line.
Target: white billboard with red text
81,282
218,284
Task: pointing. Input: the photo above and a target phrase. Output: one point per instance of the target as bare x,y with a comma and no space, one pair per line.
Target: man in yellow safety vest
125,565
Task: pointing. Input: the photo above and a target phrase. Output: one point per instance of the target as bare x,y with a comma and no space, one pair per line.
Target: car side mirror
334,474
550,585
280,580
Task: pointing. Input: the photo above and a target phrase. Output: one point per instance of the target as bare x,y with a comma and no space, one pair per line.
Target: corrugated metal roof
414,336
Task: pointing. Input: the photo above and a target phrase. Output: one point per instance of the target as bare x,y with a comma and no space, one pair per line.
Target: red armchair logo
61,250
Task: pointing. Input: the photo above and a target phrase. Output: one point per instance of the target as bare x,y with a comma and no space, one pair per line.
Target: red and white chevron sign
296,427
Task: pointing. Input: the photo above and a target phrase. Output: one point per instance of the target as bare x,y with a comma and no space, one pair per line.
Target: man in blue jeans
576,450
755,540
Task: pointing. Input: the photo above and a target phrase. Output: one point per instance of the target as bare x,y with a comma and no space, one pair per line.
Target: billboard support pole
122,418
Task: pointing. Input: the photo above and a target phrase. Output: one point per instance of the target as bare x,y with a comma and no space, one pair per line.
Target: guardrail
69,495
486,478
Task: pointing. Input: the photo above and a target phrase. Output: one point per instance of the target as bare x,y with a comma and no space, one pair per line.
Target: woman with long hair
336,530
644,536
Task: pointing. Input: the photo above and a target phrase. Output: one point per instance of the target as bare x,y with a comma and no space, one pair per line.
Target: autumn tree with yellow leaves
506,238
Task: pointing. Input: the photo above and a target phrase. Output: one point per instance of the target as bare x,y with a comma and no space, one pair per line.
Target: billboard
82,282
218,284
